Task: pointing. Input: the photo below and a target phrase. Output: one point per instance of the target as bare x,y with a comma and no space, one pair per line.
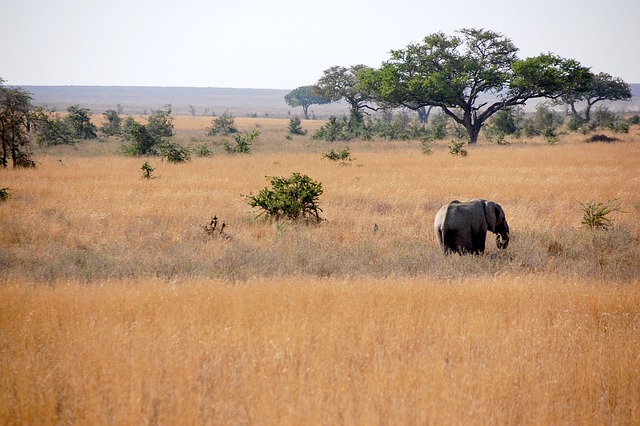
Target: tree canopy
470,76
602,87
305,96
15,122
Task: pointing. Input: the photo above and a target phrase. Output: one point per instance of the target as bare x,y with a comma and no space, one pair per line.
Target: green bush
175,153
147,171
342,155
223,125
594,215
456,148
292,198
203,150
243,143
295,127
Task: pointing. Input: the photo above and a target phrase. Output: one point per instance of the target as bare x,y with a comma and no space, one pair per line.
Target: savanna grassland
116,307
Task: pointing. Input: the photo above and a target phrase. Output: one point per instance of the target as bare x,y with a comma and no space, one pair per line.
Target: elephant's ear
492,213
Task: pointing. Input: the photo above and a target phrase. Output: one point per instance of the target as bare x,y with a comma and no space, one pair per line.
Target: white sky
283,44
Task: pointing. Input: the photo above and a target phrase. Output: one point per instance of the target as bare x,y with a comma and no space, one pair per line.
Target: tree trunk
423,114
587,112
305,112
474,132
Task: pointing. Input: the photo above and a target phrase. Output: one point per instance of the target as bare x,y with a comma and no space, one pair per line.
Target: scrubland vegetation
118,307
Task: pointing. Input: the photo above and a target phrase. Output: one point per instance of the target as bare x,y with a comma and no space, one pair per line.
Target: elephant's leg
479,240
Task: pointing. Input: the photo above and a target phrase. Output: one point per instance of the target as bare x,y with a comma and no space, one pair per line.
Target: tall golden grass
117,308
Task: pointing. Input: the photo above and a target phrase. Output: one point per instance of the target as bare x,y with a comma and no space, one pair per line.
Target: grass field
117,308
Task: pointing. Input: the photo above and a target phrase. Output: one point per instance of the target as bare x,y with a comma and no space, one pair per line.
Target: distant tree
192,110
112,125
139,140
454,72
160,124
15,124
342,83
224,125
305,96
79,120
54,130
602,87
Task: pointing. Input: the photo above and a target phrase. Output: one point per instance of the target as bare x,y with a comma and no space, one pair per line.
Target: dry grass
528,350
117,307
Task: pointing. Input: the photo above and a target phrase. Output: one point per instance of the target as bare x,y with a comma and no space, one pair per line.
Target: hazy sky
283,44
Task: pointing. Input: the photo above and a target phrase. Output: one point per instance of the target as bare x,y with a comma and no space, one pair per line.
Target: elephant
461,227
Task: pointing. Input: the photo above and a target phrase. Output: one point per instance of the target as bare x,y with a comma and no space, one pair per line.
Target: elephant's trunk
502,241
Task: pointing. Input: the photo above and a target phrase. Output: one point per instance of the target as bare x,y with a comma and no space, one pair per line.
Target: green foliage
292,198
53,130
243,142
504,123
203,150
398,127
544,122
79,121
295,127
598,88
594,215
160,124
425,146
453,72
456,148
175,153
344,156
5,194
112,125
16,118
147,171
438,127
139,141
151,139
335,129
305,96
223,125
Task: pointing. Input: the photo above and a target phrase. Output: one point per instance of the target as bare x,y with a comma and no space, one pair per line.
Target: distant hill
208,100
205,100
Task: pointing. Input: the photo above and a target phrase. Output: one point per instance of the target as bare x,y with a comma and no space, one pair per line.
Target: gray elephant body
462,227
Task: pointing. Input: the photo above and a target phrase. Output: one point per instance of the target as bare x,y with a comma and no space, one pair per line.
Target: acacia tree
305,96
602,87
15,123
338,83
470,77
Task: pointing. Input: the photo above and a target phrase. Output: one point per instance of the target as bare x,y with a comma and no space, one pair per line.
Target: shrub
291,198
594,215
295,127
601,138
342,155
138,140
175,153
112,125
543,122
456,148
4,194
213,231
203,150
243,143
147,171
223,125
